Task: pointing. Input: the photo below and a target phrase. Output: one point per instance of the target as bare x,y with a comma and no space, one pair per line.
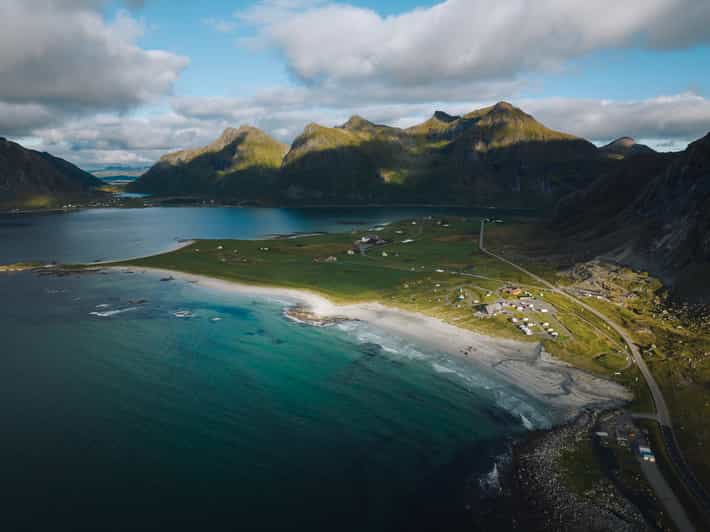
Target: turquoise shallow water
143,420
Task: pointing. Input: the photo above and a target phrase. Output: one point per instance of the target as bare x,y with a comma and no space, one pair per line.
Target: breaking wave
506,397
109,313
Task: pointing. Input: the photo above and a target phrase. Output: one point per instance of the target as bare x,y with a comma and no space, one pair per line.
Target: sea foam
109,313
463,371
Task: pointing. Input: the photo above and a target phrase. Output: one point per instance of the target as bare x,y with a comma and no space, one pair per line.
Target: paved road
662,415
665,494
650,417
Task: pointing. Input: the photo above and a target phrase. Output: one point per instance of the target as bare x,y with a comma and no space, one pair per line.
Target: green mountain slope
241,163
29,178
353,162
497,154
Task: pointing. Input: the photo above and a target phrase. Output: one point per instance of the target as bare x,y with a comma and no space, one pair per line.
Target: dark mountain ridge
652,214
29,177
498,154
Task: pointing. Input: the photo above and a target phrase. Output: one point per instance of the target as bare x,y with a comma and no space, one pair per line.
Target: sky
109,82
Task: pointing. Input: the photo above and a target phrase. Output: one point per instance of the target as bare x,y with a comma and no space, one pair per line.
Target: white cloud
18,119
666,122
107,138
465,40
678,118
70,77
64,59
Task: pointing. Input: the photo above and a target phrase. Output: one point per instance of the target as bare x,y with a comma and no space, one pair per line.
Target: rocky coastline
534,495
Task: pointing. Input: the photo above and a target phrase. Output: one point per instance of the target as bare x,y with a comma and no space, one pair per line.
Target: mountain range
497,154
38,179
653,213
241,163
623,201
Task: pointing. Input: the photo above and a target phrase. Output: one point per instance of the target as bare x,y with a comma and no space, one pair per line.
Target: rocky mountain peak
441,116
625,146
356,122
504,106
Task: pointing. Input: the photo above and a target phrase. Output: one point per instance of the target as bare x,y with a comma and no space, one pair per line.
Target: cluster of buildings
621,429
526,326
524,303
367,242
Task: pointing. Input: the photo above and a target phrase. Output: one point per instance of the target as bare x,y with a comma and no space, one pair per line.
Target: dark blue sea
117,414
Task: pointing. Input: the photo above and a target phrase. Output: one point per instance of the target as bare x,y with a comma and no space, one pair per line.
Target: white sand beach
522,364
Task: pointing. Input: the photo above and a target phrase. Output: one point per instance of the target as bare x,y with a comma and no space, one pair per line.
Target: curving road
662,415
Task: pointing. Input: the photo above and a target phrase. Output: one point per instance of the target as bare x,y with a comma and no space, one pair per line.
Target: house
329,260
366,242
646,454
492,309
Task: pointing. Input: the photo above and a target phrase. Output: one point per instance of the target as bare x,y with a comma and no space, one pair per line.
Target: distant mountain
119,170
354,162
497,154
242,162
654,214
37,179
624,147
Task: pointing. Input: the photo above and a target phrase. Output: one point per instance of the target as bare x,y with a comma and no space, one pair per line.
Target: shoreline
539,497
522,364
519,211
175,247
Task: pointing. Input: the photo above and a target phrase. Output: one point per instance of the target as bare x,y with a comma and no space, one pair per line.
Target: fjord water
108,234
118,415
